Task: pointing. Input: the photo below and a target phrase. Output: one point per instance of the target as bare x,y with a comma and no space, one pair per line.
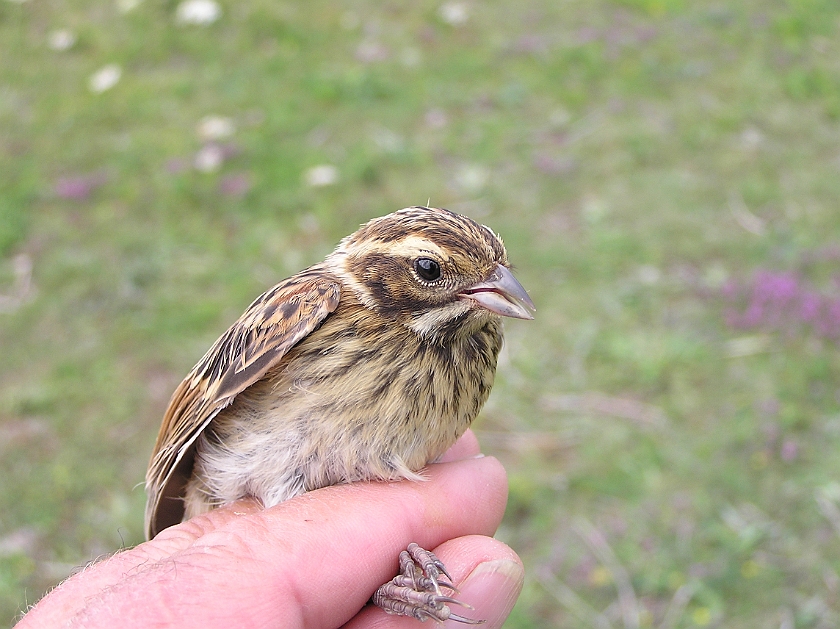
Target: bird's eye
427,269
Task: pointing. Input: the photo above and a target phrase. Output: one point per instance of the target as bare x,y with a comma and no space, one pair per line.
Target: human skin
312,561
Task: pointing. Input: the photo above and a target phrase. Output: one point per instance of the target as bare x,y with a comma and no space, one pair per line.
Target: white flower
593,208
61,39
124,6
215,128
370,51
308,223
411,57
648,274
454,13
323,175
751,138
105,78
472,178
201,12
209,159
388,141
559,117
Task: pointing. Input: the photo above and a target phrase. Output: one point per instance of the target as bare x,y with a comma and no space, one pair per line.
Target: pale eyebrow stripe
412,245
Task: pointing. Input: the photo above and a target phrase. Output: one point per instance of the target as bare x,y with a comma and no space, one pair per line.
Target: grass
668,468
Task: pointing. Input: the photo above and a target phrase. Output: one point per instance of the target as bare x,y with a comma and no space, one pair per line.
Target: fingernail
492,588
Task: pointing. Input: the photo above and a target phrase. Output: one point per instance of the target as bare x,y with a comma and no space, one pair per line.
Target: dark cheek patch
389,282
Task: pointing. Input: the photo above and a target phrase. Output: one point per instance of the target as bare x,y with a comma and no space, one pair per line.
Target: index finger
312,561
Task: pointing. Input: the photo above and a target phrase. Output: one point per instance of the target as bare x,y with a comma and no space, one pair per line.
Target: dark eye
427,269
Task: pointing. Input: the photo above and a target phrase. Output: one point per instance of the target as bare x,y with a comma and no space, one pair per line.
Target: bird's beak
502,294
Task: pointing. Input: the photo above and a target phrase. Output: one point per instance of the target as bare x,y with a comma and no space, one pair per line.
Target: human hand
312,561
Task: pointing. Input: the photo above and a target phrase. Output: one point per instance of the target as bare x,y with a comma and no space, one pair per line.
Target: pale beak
502,294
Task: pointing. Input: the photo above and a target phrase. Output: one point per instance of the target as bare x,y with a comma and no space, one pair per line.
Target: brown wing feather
274,323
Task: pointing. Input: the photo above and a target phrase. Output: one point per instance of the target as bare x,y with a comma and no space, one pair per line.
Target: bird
366,366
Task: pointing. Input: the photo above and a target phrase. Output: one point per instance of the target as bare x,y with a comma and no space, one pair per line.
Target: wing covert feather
275,322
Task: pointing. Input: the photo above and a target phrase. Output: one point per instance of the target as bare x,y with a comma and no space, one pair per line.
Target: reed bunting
366,366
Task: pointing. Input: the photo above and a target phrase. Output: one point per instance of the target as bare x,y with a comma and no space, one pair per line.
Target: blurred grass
666,470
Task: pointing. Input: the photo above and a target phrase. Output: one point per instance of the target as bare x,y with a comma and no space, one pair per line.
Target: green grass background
666,469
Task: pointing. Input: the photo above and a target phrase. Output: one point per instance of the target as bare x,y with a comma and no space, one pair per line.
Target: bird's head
432,270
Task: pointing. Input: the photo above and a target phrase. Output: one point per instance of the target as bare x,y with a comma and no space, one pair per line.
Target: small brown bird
366,366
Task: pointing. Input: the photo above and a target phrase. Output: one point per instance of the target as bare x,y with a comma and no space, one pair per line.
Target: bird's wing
273,324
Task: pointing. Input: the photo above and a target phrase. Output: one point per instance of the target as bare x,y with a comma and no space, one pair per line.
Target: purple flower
809,306
552,165
78,187
789,451
730,289
235,185
176,165
587,34
780,301
754,316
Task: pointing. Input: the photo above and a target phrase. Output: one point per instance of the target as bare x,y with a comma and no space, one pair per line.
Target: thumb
491,585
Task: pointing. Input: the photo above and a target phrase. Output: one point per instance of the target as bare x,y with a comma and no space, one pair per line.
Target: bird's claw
416,590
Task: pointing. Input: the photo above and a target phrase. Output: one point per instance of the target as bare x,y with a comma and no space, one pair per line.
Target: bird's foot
416,590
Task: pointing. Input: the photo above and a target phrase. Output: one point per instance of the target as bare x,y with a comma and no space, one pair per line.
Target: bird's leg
416,592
